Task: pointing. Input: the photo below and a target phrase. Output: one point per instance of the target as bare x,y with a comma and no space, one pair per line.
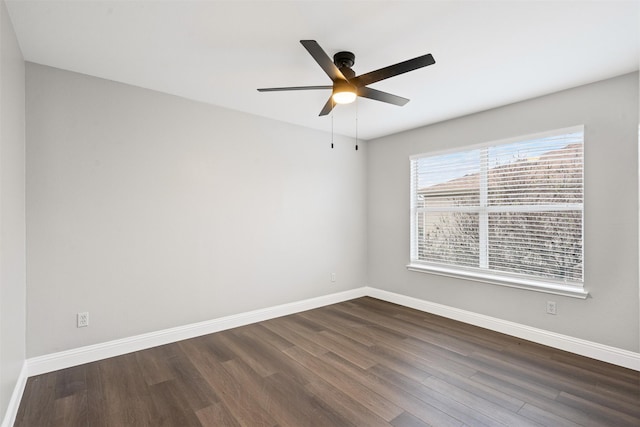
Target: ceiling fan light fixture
343,93
344,97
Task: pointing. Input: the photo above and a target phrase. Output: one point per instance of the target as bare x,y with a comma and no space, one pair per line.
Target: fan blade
323,59
378,95
327,107
278,89
392,70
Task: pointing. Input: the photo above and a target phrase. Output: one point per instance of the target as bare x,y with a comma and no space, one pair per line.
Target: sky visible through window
446,167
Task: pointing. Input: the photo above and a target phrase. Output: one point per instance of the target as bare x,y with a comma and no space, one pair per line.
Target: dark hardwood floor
363,362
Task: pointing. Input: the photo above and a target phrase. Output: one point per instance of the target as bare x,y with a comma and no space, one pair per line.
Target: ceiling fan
346,85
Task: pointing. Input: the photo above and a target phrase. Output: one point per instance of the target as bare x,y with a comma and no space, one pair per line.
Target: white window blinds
512,208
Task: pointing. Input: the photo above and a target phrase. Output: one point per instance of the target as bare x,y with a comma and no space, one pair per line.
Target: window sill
494,279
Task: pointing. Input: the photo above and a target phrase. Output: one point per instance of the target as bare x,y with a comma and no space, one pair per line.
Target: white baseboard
78,356
14,403
604,353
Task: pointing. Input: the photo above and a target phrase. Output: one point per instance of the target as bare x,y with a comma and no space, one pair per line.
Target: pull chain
356,123
332,108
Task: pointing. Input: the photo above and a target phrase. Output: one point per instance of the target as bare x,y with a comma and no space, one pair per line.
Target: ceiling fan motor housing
344,61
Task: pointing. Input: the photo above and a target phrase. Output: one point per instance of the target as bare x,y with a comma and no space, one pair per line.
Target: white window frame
552,286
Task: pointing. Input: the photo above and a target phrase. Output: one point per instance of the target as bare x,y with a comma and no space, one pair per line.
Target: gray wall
151,211
609,111
12,210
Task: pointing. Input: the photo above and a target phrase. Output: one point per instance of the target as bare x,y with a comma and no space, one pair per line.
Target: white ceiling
488,53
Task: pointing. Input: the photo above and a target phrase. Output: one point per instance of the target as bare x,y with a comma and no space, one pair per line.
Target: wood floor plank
253,386
301,407
433,397
258,331
189,382
477,336
515,369
445,360
378,332
420,408
479,403
309,324
366,397
606,414
540,400
619,402
37,404
584,385
351,350
282,327
213,345
335,323
97,405
572,375
155,365
407,361
363,362
228,388
491,394
345,405
545,418
519,387
171,407
70,381
419,332
244,350
271,350
124,395
405,419
71,410
587,364
216,415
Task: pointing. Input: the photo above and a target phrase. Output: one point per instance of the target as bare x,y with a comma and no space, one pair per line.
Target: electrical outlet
551,307
333,277
83,319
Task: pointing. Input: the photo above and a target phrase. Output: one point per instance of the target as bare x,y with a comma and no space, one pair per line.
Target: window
509,212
